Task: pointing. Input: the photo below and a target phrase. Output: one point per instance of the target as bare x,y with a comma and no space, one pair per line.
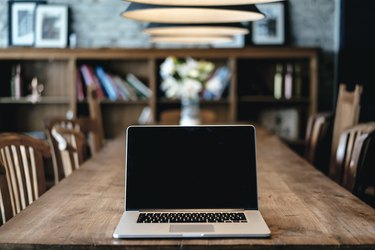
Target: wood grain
303,208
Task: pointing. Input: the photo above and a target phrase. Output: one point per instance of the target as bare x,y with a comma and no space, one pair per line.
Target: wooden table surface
303,208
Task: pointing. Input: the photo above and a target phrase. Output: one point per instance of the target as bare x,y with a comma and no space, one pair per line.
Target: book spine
103,79
138,85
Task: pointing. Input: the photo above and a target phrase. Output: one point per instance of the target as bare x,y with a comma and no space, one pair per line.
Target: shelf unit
249,92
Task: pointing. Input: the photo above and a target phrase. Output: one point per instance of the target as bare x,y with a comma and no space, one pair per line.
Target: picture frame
21,22
51,30
272,29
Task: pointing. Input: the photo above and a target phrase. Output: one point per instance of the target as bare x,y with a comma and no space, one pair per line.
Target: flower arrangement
184,78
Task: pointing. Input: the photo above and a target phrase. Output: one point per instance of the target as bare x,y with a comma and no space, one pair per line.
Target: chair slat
26,167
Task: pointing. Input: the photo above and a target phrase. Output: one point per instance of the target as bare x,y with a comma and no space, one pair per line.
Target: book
132,92
139,86
90,79
216,85
106,83
121,90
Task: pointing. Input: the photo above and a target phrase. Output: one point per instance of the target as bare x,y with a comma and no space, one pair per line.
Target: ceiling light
192,15
203,2
161,29
191,39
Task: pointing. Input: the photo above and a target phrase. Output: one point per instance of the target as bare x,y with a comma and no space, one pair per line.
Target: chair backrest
96,115
172,116
87,126
71,148
23,158
346,116
351,153
317,141
6,211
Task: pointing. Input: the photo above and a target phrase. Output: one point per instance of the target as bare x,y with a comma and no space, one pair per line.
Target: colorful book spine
142,89
106,83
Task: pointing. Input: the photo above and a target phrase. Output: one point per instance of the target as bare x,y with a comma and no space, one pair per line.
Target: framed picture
271,29
51,29
21,22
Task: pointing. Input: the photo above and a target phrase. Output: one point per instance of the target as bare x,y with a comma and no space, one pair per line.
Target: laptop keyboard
191,218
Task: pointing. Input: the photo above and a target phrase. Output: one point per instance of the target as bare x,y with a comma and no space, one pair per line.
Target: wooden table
303,208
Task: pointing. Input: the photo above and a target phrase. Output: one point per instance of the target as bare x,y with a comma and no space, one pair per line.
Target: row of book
110,86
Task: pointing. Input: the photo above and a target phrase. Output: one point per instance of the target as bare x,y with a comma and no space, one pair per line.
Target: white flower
191,88
184,77
167,68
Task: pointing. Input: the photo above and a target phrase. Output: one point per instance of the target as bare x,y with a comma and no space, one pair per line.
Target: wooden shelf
170,101
56,69
42,100
119,102
271,99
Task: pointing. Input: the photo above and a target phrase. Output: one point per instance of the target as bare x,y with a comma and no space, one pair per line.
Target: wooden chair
6,211
23,158
346,116
96,116
172,117
87,126
317,141
71,149
355,159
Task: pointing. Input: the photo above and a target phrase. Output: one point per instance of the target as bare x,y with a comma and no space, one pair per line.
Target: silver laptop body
192,182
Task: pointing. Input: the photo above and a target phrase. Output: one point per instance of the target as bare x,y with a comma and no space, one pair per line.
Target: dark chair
24,158
71,149
317,141
355,160
346,116
87,126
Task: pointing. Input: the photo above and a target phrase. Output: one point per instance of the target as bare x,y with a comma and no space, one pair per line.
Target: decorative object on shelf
184,79
192,14
278,82
21,17
51,26
16,82
270,30
36,91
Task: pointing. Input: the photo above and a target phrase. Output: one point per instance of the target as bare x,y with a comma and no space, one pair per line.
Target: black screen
191,167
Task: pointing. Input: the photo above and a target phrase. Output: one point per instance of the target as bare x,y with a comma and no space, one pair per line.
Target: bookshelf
249,92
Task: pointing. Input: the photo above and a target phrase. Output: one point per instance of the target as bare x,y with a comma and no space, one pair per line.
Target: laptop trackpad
191,228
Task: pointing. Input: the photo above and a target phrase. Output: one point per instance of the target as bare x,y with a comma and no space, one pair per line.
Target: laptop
191,182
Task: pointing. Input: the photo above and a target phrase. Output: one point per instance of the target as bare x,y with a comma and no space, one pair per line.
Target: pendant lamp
203,2
191,39
193,14
225,29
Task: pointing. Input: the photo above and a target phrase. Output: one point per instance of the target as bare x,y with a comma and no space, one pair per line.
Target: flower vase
190,112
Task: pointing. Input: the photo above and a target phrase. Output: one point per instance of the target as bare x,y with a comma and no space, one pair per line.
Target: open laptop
193,181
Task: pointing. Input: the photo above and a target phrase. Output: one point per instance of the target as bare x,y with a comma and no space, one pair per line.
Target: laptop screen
199,167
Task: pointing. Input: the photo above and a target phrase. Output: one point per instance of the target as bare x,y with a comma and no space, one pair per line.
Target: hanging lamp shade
203,2
193,14
191,39
225,29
